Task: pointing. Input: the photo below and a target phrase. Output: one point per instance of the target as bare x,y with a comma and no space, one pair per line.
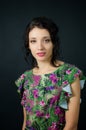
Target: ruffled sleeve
74,72
20,82
71,73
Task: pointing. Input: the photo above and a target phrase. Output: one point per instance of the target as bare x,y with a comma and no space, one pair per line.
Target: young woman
51,89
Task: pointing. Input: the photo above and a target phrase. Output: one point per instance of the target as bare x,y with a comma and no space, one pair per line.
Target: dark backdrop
70,16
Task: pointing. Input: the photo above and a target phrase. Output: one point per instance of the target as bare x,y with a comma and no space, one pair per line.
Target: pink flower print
35,93
76,75
24,95
53,124
62,119
53,78
68,71
31,103
28,123
28,108
39,114
22,76
24,98
53,127
42,103
26,83
79,71
58,111
19,88
23,103
49,128
67,94
36,79
49,88
47,116
54,99
65,82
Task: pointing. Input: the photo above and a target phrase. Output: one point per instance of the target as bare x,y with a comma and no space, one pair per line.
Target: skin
72,115
24,122
40,41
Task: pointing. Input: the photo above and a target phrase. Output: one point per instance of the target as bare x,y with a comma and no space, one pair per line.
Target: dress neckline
57,69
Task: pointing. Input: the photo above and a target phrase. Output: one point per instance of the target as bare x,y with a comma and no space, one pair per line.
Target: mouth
41,54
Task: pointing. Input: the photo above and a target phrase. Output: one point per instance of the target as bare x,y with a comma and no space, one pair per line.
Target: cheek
32,49
51,49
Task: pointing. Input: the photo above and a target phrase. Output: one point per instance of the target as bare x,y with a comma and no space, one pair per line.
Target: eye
32,41
47,40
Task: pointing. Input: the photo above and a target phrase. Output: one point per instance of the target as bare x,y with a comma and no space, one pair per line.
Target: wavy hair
51,27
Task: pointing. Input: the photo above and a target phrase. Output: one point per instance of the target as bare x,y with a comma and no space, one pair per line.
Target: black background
70,16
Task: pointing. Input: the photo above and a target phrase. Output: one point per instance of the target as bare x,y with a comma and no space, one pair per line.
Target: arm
24,122
72,114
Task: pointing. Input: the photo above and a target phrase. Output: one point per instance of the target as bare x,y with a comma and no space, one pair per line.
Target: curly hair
51,27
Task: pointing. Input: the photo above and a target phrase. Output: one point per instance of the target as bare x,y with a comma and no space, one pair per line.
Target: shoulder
21,79
19,82
25,74
72,72
72,69
68,66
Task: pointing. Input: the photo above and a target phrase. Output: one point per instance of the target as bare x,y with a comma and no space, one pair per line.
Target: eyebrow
32,38
42,37
46,37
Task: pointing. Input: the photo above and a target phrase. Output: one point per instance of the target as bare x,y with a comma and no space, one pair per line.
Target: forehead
38,32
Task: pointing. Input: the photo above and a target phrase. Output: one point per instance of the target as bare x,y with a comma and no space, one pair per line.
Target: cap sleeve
71,73
74,72
20,81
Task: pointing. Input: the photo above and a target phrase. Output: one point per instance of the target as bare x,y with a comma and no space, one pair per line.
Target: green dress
45,97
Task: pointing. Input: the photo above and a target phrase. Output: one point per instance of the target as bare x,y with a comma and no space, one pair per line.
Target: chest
43,88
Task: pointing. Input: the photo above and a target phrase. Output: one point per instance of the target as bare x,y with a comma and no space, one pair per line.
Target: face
40,44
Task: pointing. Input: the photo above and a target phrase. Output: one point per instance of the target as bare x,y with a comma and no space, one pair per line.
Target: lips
41,54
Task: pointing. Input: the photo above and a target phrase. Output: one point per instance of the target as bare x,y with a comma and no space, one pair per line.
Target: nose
40,46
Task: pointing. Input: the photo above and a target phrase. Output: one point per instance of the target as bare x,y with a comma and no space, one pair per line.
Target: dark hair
43,23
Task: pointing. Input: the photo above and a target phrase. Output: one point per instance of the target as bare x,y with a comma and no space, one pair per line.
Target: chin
41,59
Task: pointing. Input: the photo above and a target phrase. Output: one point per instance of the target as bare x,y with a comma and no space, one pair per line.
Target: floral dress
45,97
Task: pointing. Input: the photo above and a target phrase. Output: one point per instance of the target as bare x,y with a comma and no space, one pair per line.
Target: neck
44,65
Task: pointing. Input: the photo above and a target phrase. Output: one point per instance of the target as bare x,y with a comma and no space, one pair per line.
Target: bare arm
24,121
72,114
